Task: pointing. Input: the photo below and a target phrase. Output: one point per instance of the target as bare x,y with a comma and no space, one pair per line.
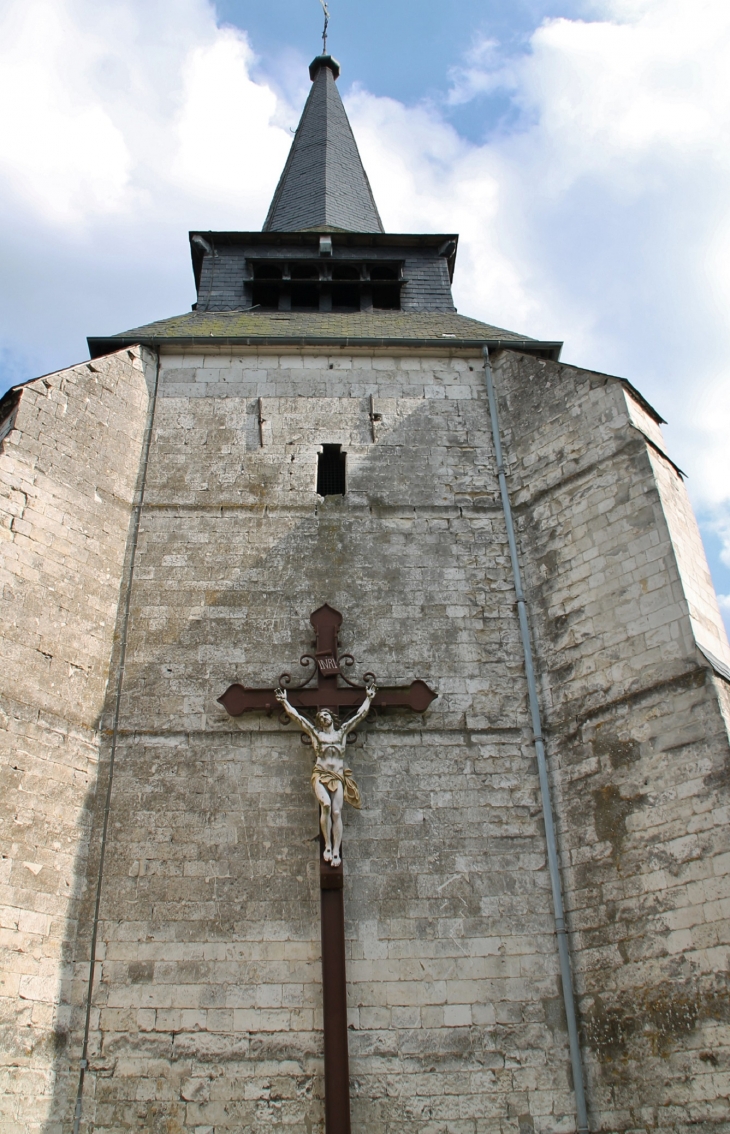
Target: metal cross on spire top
326,25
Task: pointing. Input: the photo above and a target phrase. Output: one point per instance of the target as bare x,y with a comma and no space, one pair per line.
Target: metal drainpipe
547,810
137,511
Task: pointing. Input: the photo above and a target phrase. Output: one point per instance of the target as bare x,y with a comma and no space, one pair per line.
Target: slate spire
324,185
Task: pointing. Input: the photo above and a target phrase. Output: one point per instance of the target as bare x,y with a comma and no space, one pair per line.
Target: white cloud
600,215
111,109
426,178
482,72
221,155
124,125
603,216
61,151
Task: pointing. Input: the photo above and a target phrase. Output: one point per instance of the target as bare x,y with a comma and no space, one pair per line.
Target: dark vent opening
331,471
345,272
383,272
304,297
386,298
266,272
265,295
8,412
345,297
305,271
325,285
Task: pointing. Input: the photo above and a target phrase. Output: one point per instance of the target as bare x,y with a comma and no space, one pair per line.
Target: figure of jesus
332,782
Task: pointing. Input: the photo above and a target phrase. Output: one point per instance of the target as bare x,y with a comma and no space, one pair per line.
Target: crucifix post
334,998
333,784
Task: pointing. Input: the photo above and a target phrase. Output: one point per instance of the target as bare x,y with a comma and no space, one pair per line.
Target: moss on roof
362,327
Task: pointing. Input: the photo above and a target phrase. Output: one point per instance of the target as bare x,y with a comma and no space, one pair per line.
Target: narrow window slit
331,471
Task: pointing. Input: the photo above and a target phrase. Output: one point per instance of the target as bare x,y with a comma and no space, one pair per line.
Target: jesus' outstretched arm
362,712
289,709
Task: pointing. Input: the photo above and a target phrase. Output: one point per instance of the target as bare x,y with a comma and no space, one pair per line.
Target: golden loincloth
330,780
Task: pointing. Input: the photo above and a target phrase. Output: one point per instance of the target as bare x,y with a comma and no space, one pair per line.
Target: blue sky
401,48
580,149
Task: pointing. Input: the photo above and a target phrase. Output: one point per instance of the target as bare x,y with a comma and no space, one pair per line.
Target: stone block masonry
68,471
621,599
207,1008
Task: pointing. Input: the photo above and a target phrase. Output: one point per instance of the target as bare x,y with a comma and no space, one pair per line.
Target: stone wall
68,471
207,1012
708,628
637,739
207,1016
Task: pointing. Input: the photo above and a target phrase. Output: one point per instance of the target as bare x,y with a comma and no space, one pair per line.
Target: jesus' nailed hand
332,782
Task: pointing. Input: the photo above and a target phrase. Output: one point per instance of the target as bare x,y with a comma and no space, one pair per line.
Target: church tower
321,473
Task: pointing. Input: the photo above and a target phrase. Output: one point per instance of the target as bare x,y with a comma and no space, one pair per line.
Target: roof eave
547,350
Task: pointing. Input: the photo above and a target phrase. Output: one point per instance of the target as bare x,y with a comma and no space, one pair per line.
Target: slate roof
359,328
324,184
324,187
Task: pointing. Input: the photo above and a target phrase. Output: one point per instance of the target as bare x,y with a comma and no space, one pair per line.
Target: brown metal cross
327,666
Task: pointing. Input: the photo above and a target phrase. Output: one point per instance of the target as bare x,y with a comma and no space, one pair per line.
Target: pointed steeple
324,185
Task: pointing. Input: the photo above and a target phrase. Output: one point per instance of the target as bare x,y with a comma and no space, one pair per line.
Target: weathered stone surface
207,1011
210,1004
68,471
638,742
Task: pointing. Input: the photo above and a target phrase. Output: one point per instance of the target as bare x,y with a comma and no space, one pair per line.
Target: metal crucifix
328,666
332,784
